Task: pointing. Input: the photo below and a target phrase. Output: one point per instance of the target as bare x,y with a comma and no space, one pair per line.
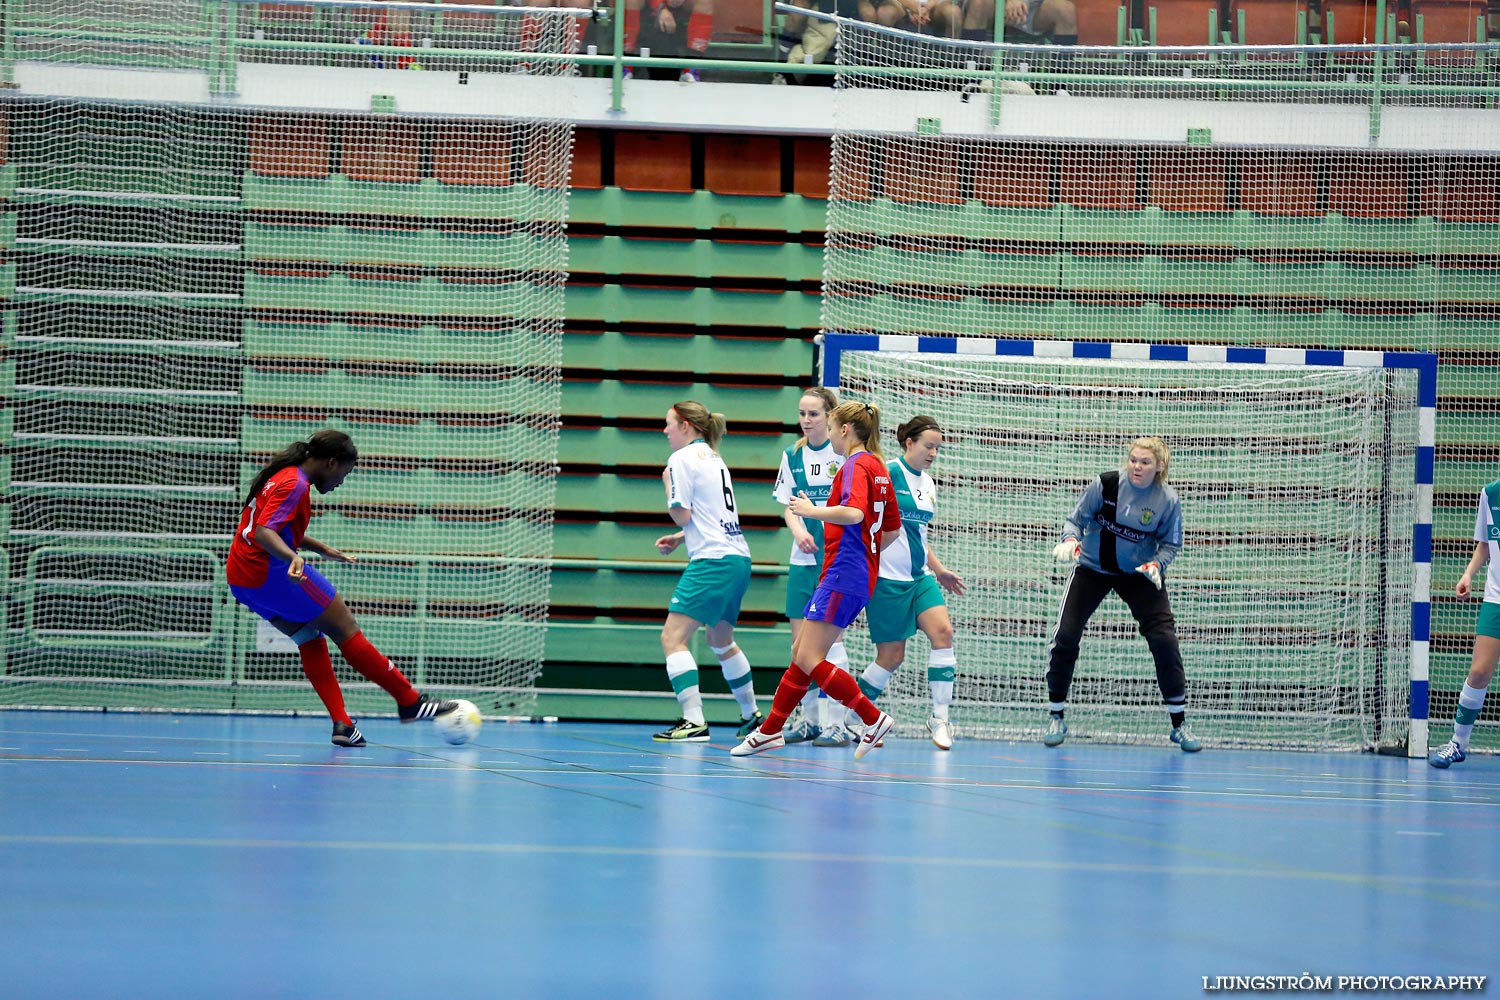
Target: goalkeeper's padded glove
1067,550
1152,572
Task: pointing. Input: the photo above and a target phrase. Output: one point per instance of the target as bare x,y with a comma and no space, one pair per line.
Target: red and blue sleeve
281,502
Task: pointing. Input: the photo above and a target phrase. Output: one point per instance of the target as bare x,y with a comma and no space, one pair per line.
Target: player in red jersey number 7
268,575
861,518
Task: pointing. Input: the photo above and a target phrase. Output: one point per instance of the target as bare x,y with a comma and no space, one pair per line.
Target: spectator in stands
670,28
1056,20
807,40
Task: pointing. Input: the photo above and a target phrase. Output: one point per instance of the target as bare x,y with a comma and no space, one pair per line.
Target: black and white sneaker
347,736
683,731
425,707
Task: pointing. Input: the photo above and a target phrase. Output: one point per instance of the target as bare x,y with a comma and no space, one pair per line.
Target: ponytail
324,444
710,425
865,419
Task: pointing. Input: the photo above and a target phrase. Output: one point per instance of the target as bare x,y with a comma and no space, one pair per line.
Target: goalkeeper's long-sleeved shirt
1145,525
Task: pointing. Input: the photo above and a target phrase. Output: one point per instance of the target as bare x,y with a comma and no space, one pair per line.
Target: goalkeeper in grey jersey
1124,533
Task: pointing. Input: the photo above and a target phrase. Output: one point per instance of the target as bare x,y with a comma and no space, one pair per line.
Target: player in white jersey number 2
700,500
907,596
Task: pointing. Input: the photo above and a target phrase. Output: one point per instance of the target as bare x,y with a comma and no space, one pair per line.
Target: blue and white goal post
1302,592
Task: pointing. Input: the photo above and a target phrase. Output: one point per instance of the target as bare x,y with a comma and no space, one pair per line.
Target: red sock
632,28
845,689
700,26
319,669
367,660
788,693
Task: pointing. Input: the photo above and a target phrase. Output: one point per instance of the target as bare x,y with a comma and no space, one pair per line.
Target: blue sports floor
223,857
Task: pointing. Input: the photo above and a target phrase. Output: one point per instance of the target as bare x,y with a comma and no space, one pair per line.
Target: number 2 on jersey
878,507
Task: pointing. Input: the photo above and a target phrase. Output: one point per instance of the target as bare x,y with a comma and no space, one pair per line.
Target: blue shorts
282,597
833,607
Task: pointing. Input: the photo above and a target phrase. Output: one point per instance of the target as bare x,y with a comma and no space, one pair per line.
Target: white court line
69,750
1101,784
211,753
291,755
1178,788
1419,833
1228,789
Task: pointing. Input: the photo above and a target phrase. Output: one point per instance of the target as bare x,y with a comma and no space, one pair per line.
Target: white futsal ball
460,725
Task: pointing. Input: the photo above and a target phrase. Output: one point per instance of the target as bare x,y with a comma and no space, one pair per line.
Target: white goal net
1293,591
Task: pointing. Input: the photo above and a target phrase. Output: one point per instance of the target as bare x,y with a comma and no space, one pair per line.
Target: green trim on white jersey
906,557
809,470
1487,530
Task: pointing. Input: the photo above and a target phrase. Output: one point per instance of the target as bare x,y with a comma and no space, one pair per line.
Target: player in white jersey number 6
908,598
700,501
1123,534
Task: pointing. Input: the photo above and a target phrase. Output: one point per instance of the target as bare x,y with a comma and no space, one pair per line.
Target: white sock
810,703
940,671
737,674
682,669
839,656
1470,701
873,681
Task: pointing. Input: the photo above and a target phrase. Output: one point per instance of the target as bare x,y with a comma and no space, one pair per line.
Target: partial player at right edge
1486,630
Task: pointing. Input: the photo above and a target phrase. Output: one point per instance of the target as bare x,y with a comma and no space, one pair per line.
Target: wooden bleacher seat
1099,22
653,161
1189,180
924,171
742,164
386,151
472,153
1014,177
1182,22
1268,22
1368,187
810,164
289,146
1279,184
1099,179
1462,190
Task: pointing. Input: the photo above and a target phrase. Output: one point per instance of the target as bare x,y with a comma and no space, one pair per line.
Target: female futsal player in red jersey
268,576
861,518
